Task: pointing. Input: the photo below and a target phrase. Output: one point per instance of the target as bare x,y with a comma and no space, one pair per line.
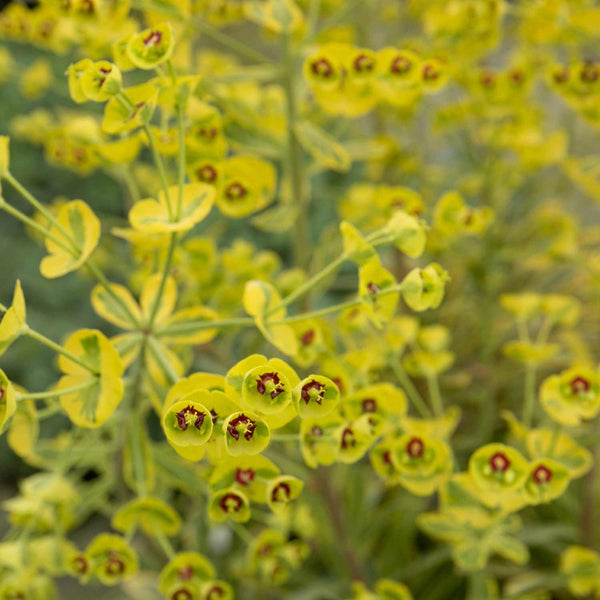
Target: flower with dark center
269,382
487,79
415,447
244,421
561,76
245,476
114,565
281,492
230,503
208,133
182,594
400,65
348,439
369,405
589,73
373,288
430,73
580,385
307,337
153,39
186,572
542,475
516,77
236,191
363,63
499,462
316,431
80,565
189,416
387,458
322,67
215,592
207,173
313,390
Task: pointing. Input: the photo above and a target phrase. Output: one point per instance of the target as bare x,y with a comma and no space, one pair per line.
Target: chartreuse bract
342,259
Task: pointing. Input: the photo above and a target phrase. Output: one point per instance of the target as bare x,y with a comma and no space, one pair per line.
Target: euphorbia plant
341,310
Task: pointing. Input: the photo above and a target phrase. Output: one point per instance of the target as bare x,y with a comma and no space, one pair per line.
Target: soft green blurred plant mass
318,310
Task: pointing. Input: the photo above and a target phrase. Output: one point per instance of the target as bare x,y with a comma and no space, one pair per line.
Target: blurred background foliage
512,257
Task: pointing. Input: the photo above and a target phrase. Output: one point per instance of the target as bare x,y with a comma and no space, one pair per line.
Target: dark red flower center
322,68
487,79
387,457
589,73
245,423
516,77
186,572
210,133
561,76
369,405
244,476
230,503
364,63
580,385
269,382
415,447
430,72
182,594
281,492
313,390
114,565
348,439
215,592
80,565
499,462
401,65
307,337
373,288
207,173
153,39
316,431
189,415
542,475
235,191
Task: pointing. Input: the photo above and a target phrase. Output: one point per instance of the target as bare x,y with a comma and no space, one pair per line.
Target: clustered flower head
346,308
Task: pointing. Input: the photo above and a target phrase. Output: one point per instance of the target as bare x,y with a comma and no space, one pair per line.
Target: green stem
285,437
164,543
410,389
11,210
435,395
309,284
248,322
57,348
294,154
529,404
178,328
56,393
38,206
165,274
49,411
